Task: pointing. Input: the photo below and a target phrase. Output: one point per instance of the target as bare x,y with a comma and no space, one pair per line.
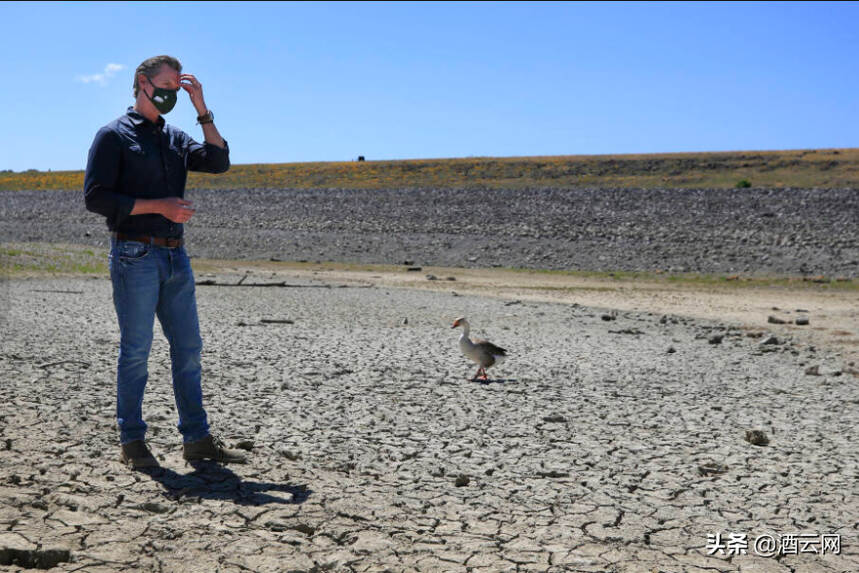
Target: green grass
27,259
703,279
47,259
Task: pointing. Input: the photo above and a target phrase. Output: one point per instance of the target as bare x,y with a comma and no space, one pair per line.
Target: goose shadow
494,381
211,480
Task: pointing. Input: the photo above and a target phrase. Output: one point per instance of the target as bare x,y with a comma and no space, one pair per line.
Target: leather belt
160,241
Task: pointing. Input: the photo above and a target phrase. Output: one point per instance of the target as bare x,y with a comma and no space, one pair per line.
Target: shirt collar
138,120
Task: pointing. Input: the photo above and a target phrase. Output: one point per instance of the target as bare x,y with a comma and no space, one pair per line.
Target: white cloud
110,70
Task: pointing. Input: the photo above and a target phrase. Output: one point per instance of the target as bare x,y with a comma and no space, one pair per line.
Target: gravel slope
751,231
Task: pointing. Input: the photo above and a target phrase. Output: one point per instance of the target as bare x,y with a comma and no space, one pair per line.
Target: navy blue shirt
133,158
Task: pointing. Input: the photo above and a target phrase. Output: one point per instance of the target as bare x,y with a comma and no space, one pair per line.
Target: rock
710,467
774,320
432,278
608,317
671,350
152,507
462,481
414,269
770,340
716,339
451,278
554,418
246,445
813,370
802,320
553,474
757,437
290,455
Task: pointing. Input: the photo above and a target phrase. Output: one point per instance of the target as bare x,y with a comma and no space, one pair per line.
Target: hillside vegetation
822,168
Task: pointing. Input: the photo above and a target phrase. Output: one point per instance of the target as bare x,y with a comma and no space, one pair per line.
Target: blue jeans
149,280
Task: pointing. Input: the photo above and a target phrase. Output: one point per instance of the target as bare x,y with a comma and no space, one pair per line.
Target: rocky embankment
750,231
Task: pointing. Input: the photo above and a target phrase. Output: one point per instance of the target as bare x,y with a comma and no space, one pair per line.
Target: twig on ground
86,364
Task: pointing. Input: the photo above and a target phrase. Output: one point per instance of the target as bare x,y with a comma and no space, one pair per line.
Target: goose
483,352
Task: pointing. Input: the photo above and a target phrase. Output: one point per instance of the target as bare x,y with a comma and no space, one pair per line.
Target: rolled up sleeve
100,179
208,157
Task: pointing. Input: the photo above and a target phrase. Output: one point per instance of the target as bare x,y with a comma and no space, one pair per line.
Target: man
135,177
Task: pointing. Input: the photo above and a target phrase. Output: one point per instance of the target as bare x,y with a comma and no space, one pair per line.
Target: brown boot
137,455
211,448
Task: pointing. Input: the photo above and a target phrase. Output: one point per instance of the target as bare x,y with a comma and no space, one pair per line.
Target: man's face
166,78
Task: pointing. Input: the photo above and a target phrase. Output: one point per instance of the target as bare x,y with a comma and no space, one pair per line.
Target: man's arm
176,209
100,179
213,156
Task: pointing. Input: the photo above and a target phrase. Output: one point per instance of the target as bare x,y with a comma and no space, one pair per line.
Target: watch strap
207,117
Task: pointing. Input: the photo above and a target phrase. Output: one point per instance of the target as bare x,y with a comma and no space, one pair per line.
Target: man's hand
191,85
176,209
173,208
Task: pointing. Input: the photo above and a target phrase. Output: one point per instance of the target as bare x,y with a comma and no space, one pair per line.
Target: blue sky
328,82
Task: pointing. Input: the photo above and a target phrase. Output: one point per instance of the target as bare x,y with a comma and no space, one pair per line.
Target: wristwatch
207,117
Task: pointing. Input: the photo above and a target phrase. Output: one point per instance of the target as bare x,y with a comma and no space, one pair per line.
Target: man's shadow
210,480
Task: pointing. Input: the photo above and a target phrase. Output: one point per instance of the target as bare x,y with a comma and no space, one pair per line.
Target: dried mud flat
601,445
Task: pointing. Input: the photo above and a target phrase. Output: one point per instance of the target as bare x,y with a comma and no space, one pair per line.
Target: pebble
757,437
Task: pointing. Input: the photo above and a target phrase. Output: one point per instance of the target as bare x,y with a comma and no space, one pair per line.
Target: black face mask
163,99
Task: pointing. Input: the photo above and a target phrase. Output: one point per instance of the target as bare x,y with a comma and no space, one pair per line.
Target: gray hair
152,66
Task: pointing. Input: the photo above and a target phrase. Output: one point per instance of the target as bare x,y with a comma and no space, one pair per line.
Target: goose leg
476,374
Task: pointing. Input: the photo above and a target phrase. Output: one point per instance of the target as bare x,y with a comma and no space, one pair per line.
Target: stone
711,467
802,320
775,320
757,438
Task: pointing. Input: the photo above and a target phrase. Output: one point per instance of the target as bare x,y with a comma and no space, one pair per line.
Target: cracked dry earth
594,448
